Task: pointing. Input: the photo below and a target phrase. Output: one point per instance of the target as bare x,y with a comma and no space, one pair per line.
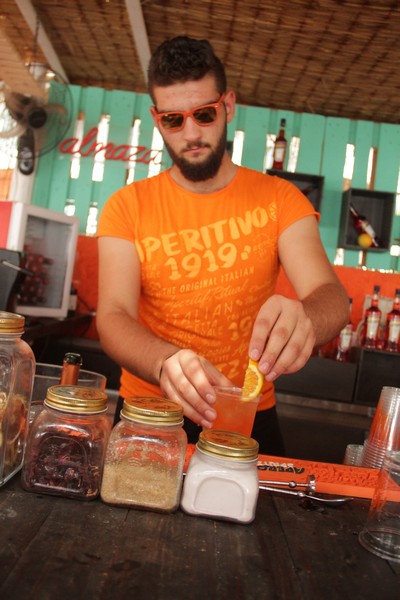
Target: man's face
196,150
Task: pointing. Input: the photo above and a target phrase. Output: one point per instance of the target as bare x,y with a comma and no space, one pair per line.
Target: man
188,260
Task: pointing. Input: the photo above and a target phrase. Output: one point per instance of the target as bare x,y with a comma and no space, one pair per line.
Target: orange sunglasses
202,115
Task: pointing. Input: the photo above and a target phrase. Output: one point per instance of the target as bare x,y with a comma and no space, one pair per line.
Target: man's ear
153,114
230,103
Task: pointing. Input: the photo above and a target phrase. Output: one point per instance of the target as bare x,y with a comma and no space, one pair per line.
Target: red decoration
90,147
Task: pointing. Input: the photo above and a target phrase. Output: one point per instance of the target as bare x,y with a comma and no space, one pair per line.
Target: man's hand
188,379
283,337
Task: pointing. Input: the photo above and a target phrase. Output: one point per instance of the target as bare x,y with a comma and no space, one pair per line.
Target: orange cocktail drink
235,412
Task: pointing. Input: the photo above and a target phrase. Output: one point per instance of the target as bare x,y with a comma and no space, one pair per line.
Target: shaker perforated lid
228,445
157,411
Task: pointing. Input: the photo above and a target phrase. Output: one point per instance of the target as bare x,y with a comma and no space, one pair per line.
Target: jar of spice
145,456
66,443
222,477
17,369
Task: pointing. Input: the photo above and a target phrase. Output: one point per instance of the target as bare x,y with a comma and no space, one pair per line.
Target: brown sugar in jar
145,456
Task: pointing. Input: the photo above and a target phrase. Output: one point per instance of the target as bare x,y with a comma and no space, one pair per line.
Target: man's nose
191,129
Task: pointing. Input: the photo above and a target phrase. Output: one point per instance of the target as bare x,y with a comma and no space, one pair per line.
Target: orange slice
253,380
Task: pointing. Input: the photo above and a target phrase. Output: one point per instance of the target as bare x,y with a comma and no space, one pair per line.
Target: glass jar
66,443
145,456
222,477
17,369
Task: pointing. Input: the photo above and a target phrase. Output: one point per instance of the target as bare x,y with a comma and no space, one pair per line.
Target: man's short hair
182,59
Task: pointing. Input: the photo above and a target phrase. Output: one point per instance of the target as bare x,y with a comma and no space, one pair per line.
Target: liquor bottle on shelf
71,367
280,147
392,341
361,224
372,321
344,339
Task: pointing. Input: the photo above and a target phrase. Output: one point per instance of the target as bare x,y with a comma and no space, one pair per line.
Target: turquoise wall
323,143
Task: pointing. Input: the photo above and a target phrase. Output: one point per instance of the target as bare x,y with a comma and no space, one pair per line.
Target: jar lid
76,399
11,322
228,445
157,411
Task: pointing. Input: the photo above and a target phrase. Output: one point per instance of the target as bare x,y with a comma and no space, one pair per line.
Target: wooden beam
139,31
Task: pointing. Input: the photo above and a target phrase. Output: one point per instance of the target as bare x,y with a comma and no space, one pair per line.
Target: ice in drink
234,411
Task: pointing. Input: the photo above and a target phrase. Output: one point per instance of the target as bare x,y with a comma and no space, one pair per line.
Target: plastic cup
384,434
381,533
235,412
47,375
353,455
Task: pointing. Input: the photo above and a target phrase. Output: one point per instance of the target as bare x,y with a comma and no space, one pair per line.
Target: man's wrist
163,362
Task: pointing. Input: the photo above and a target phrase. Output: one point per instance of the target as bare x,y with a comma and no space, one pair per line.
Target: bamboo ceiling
329,57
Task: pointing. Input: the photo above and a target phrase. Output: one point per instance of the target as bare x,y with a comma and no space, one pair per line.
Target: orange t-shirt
208,262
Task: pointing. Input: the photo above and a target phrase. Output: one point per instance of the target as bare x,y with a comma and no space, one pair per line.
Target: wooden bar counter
56,548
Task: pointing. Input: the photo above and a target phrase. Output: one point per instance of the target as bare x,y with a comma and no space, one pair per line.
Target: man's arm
130,344
286,331
187,377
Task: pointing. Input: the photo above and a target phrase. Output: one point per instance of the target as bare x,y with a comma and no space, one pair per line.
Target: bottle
222,480
362,226
70,369
392,342
145,456
17,370
372,321
280,147
344,339
66,443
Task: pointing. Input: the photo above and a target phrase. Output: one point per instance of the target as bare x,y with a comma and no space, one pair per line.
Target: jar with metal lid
145,456
66,443
17,369
222,477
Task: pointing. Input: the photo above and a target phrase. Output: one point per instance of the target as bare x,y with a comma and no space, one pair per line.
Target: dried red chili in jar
66,443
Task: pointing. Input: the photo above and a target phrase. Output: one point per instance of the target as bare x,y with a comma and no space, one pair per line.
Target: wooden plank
363,143
333,159
255,127
142,108
92,105
121,111
388,159
311,133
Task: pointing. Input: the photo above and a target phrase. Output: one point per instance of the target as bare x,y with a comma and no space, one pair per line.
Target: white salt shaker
222,477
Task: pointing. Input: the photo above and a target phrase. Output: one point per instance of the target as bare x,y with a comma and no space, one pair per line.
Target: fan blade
17,104
13,71
26,152
15,131
58,109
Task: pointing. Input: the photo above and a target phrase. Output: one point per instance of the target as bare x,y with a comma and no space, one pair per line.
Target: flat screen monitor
47,241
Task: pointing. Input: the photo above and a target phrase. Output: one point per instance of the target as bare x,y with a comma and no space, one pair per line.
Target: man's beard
200,171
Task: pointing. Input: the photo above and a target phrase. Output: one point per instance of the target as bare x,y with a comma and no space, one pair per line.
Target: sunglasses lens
172,120
205,115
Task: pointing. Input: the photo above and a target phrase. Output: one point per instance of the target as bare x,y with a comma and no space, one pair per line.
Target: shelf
311,185
377,207
321,378
376,369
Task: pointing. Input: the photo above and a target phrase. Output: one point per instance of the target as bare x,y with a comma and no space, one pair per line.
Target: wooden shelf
377,207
